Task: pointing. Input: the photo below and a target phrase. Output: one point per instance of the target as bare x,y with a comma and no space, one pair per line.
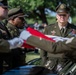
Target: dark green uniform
17,56
57,51
5,35
54,30
4,46
52,47
59,59
14,31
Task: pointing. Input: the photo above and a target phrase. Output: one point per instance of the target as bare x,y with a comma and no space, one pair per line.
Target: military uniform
55,49
5,35
4,46
14,31
54,30
58,57
70,29
16,56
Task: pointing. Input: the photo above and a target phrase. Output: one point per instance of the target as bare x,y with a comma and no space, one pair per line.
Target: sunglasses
62,15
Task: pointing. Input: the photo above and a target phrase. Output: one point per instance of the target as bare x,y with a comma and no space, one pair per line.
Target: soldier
62,16
4,34
16,22
4,31
52,47
61,28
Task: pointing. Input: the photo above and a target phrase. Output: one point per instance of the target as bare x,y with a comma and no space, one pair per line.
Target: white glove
24,35
16,42
57,38
69,40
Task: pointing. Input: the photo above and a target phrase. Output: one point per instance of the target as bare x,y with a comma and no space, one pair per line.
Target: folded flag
35,33
39,34
25,45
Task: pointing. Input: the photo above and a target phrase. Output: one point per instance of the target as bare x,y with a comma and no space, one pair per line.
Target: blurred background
43,11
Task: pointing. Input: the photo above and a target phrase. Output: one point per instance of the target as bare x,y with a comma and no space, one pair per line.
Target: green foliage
26,4
35,8
74,20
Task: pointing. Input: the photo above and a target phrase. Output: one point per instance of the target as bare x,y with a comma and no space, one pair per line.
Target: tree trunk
41,14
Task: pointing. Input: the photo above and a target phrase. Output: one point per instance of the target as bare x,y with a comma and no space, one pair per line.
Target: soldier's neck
63,24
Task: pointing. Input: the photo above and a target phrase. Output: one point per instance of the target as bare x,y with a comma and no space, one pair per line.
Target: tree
36,8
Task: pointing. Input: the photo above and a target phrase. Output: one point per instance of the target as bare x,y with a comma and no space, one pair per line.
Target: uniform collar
60,27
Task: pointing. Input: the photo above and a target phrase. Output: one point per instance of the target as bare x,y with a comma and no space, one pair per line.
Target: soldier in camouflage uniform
16,22
4,33
5,46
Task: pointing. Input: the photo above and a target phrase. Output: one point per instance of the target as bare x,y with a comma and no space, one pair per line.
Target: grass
31,55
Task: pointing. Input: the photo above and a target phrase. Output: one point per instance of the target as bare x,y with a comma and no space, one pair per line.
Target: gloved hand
16,42
24,35
69,40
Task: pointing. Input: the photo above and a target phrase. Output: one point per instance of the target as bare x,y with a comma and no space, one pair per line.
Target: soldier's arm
58,47
7,45
43,54
4,46
53,47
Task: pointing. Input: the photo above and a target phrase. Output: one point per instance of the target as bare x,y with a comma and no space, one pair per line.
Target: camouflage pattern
14,31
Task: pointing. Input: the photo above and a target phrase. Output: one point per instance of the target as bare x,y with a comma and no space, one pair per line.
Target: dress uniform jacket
56,50
54,30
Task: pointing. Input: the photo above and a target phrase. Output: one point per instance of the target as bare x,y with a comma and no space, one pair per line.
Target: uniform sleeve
4,46
43,54
52,47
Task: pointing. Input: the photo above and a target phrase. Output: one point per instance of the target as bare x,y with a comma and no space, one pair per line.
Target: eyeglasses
62,15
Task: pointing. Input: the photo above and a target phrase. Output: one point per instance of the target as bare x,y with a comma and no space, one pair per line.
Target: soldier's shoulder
51,25
73,26
10,25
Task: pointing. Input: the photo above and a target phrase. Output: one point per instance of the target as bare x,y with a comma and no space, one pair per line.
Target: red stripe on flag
39,34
